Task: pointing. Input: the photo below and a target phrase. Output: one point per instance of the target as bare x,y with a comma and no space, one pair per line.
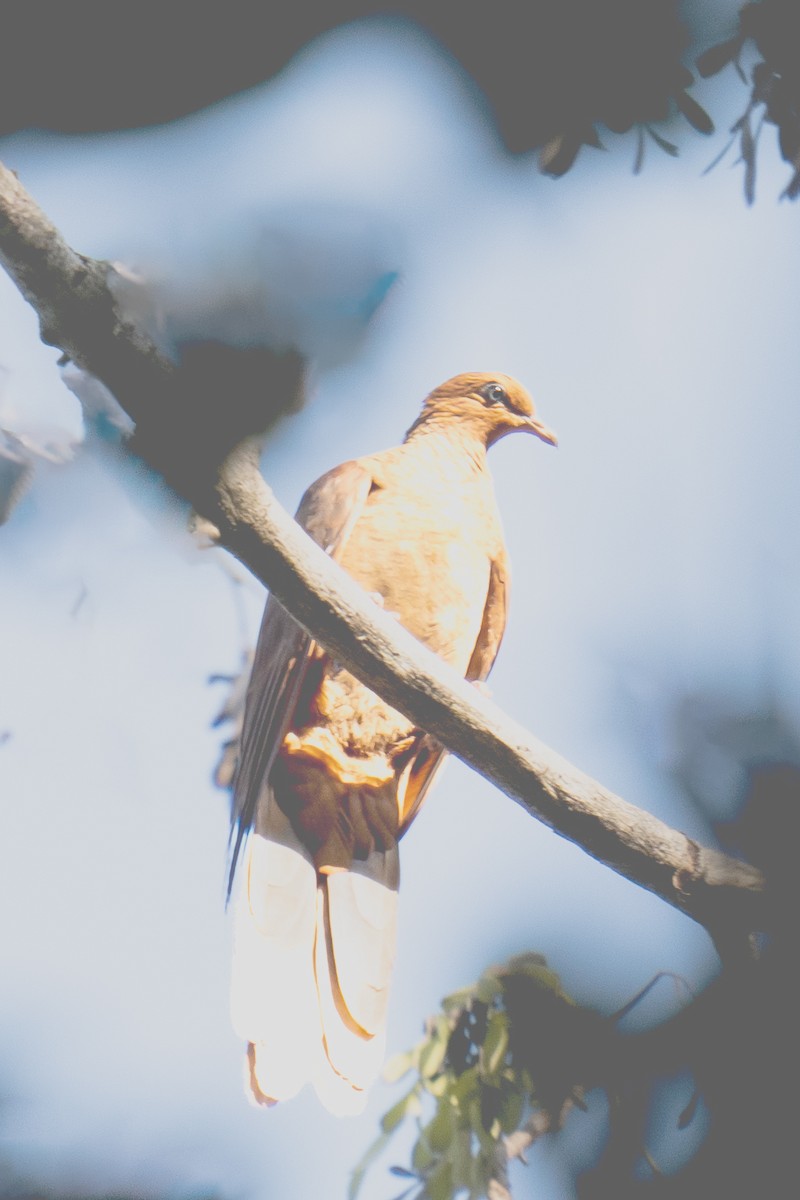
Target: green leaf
398,1066
462,1162
439,1184
640,144
747,145
495,1044
484,1169
490,986
464,1087
459,999
438,1086
524,964
422,1156
433,1052
718,56
697,116
511,1109
408,1105
475,1117
667,147
440,1130
534,966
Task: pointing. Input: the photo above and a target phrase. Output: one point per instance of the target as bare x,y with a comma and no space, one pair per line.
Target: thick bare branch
202,449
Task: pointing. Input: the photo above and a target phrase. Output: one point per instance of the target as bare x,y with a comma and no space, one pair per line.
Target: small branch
515,1145
75,306
538,1124
208,452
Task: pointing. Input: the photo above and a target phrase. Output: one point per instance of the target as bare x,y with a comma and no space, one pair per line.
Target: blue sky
652,319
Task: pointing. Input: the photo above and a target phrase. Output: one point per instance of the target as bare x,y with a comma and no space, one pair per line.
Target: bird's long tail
312,963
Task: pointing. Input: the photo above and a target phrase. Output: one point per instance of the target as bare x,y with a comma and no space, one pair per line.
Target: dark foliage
773,27
509,1057
549,69
552,73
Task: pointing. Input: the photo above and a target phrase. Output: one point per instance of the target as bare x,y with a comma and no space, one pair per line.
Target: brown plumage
330,776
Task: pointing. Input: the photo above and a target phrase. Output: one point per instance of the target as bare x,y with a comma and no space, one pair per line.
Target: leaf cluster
511,1045
772,26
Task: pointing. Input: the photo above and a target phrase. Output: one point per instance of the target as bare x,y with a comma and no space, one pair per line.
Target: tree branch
208,451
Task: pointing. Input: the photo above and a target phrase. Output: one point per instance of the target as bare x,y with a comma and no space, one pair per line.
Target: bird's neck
444,441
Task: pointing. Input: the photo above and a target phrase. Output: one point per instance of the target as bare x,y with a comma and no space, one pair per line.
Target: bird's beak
534,425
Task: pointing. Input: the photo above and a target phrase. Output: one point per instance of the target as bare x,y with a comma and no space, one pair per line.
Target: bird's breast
427,565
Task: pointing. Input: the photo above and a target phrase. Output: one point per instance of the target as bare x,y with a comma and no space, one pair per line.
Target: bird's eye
494,393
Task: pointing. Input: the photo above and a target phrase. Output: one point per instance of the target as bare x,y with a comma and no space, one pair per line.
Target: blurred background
398,197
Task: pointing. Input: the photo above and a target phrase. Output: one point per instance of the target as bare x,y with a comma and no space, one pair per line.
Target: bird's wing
274,985
493,625
419,776
430,756
284,652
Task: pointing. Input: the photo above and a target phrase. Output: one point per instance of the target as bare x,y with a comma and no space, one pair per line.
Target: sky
650,316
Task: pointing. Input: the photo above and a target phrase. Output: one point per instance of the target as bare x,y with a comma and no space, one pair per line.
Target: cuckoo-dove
330,776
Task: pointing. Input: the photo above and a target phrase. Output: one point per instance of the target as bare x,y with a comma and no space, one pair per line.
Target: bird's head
487,406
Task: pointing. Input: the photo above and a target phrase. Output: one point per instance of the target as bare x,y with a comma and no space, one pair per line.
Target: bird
330,776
